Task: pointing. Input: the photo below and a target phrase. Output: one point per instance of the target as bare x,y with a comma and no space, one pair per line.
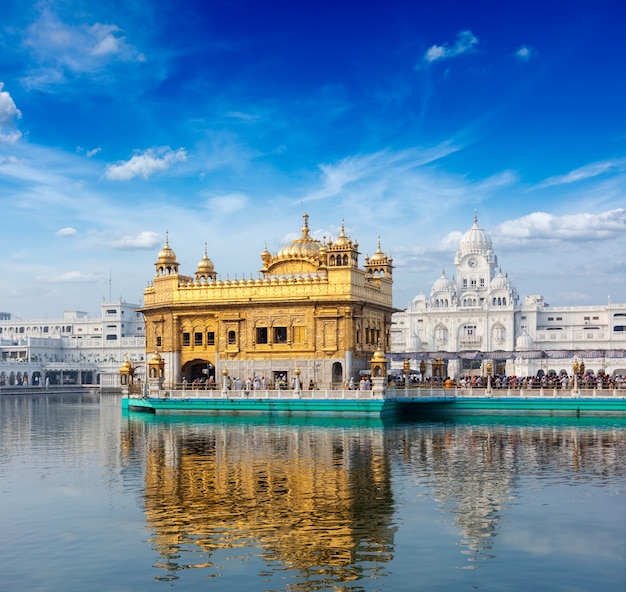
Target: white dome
443,284
474,241
500,282
524,342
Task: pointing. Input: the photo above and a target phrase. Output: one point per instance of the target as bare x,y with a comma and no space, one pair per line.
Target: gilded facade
311,308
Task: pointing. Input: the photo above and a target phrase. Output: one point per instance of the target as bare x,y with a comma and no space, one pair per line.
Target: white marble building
475,315
74,348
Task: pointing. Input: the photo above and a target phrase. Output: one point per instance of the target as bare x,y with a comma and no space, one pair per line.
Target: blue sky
222,122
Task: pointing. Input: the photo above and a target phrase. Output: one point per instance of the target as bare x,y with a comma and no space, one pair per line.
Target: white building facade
475,316
72,349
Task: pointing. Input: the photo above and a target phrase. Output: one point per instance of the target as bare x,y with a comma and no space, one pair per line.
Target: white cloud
69,231
75,277
145,164
60,49
586,172
539,227
375,170
8,114
466,42
225,204
144,240
91,153
525,53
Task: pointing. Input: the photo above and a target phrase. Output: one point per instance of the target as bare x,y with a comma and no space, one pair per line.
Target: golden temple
312,312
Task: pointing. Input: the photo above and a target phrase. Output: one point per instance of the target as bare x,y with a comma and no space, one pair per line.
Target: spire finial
475,217
305,225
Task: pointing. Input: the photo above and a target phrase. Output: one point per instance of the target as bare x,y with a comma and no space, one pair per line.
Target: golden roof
305,246
166,255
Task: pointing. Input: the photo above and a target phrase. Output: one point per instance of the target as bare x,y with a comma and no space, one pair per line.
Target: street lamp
297,383
225,382
406,367
489,369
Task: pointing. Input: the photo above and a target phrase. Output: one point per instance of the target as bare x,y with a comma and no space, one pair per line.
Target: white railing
342,394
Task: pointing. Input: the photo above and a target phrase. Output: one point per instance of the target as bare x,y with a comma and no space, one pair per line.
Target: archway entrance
337,373
199,373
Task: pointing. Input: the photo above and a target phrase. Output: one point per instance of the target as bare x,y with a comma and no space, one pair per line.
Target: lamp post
224,382
489,369
406,368
575,369
296,390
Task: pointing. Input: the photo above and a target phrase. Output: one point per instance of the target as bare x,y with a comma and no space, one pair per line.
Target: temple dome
443,284
303,247
475,239
524,342
205,265
166,254
342,240
500,282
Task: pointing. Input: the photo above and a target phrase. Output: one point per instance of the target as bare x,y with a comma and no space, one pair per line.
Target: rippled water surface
93,499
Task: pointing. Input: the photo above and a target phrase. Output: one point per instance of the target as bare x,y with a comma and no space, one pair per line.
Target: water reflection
317,497
478,468
314,498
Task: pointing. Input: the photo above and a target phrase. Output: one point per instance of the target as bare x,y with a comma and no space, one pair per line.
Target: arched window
232,338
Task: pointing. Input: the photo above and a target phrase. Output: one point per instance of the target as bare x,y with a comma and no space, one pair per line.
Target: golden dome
126,366
379,356
342,239
156,358
205,265
166,255
378,256
305,246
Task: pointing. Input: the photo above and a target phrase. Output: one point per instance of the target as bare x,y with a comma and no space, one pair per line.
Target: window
210,338
473,283
280,334
619,328
232,338
186,339
482,282
111,337
111,311
465,283
197,338
158,341
261,334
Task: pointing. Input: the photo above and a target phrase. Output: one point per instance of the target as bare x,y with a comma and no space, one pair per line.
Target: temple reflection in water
318,496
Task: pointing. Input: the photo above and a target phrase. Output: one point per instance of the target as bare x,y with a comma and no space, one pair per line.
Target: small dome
205,265
342,239
524,342
379,356
500,282
166,255
443,284
378,257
